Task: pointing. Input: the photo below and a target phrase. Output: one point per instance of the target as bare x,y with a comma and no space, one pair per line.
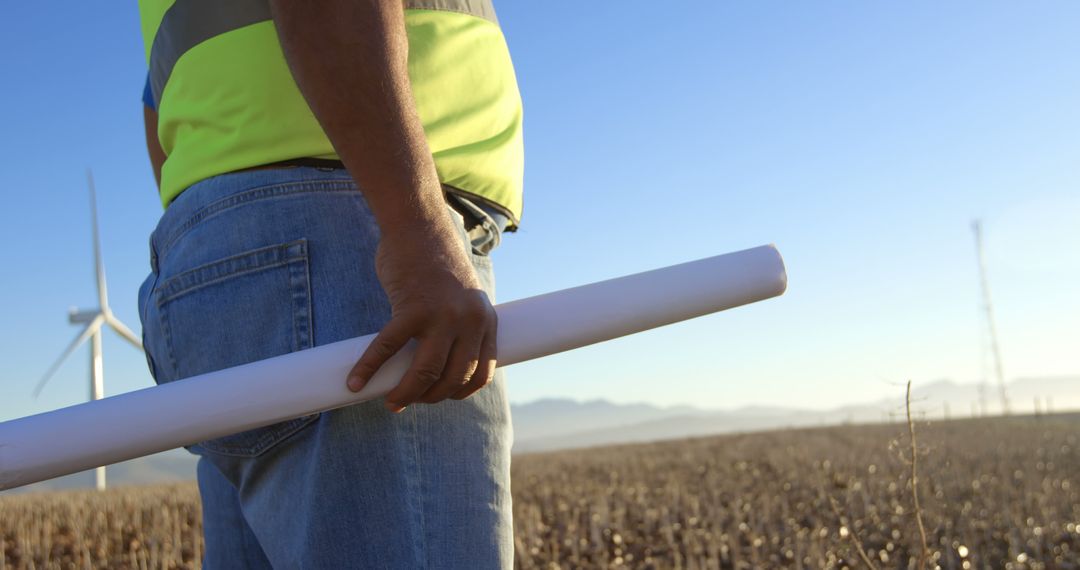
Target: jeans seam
300,285
244,264
417,491
257,193
166,334
144,309
174,295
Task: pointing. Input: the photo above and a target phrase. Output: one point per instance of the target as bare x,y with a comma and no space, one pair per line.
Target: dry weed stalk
853,535
923,551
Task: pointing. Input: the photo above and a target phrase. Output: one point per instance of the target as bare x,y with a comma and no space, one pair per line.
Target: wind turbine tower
991,326
93,320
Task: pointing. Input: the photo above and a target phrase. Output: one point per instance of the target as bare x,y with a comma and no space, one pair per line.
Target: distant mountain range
549,425
553,424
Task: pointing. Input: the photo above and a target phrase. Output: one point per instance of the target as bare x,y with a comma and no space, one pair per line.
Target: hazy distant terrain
549,425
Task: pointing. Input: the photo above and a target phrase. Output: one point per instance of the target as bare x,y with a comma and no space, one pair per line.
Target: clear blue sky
860,137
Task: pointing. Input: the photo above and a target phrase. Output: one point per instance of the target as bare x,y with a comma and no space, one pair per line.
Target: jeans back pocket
246,307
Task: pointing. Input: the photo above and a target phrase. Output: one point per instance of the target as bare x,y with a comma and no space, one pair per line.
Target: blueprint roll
126,426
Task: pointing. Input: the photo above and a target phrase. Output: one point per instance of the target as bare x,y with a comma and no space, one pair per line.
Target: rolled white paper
216,404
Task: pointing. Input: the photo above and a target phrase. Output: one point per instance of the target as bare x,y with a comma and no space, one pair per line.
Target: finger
390,339
459,369
485,369
426,369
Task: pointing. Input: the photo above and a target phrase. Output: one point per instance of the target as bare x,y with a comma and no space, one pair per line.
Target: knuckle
473,308
451,318
427,375
482,307
478,318
459,309
382,349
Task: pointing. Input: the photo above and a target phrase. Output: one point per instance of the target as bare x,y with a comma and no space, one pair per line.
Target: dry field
996,493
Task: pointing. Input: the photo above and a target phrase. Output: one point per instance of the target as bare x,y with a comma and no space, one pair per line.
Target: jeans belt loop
153,255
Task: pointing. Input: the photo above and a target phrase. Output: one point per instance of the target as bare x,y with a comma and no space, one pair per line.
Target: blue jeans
250,265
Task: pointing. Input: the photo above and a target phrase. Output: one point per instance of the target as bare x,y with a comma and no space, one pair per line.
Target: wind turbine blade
99,265
89,330
122,330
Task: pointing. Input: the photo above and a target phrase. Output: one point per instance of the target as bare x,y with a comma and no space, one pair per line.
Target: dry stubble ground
996,493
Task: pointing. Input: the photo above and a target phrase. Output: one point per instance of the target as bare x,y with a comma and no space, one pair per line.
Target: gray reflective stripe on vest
188,23
479,8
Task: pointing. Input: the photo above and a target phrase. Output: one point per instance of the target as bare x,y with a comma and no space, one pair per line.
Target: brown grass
995,492
132,527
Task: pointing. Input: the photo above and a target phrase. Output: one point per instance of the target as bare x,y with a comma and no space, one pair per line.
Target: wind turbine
93,320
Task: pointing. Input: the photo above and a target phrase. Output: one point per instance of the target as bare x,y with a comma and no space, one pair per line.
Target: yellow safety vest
227,101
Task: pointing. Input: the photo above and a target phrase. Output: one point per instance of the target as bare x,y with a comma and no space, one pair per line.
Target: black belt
309,162
470,218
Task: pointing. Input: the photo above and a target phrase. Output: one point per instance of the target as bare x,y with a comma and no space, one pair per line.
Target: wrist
412,217
402,199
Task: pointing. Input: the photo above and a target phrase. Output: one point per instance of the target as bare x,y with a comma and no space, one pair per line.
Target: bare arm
153,146
349,58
